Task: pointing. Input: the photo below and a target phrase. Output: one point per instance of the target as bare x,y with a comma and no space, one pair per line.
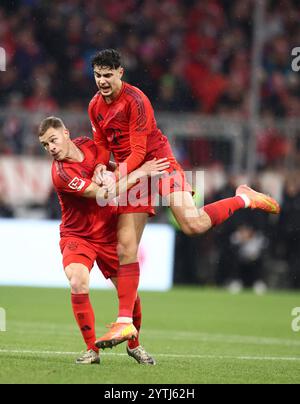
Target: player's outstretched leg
194,221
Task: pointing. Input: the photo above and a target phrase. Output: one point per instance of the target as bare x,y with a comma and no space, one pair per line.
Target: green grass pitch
197,336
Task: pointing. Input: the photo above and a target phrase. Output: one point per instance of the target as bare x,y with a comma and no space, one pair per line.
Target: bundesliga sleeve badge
77,184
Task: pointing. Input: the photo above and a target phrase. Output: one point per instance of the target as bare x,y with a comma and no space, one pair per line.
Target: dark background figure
289,230
6,211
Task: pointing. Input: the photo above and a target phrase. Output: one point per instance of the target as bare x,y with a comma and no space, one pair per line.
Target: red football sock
137,322
220,211
85,317
128,283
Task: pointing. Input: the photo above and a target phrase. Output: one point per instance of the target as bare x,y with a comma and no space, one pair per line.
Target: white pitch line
179,356
175,335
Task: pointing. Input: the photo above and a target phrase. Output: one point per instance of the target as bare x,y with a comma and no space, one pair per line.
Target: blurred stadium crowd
195,57
188,56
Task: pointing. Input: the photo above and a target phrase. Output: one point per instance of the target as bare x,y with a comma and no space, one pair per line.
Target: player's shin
85,318
128,283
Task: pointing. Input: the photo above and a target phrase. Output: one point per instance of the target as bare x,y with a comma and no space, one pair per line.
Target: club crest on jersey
76,184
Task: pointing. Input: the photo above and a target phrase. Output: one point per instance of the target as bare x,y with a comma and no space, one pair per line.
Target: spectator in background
13,134
209,42
289,229
175,94
41,98
248,246
53,209
5,210
273,147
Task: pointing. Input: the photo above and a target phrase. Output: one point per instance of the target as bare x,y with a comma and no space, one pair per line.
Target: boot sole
113,342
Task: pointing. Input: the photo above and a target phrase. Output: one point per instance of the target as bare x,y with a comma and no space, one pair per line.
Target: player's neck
75,155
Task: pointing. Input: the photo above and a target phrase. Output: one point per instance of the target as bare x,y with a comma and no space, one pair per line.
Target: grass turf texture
197,336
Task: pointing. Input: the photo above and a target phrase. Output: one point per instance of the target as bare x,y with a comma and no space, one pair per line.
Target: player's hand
155,168
109,182
99,173
107,192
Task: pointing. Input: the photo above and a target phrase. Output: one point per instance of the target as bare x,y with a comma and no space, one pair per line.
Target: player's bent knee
127,252
78,276
192,228
79,286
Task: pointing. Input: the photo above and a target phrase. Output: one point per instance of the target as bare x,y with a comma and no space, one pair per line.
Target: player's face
109,81
56,142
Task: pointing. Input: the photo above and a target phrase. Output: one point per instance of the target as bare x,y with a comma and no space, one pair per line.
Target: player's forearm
94,191
126,183
133,162
138,154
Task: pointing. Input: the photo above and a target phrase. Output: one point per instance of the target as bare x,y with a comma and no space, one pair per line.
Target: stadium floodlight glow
2,60
2,320
296,61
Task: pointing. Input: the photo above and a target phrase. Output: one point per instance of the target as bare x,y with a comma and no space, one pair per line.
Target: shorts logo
72,246
77,184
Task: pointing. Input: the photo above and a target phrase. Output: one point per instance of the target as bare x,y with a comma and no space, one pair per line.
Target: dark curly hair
107,58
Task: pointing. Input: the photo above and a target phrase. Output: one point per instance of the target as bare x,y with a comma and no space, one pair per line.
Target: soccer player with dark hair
88,231
124,124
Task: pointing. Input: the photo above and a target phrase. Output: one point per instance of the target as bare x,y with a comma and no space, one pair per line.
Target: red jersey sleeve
68,180
140,127
99,138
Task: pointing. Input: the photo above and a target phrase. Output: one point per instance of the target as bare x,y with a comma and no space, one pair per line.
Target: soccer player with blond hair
88,232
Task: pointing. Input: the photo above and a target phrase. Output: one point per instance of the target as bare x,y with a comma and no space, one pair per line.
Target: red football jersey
126,127
82,217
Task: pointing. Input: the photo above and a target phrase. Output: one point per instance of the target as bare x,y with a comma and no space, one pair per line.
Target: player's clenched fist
109,182
99,174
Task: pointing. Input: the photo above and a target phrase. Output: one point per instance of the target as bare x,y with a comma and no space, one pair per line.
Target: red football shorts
142,197
79,251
